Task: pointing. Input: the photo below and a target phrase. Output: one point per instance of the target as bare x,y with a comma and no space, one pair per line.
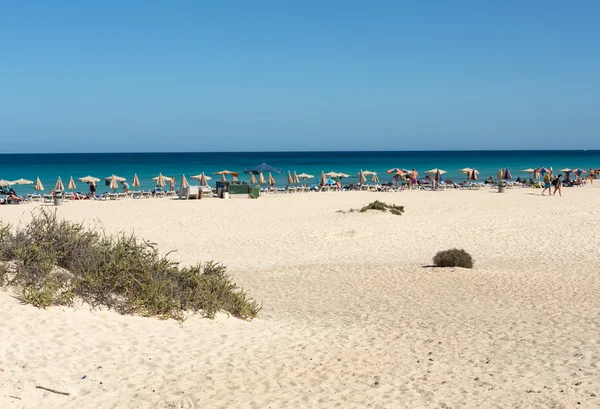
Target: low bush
380,206
57,260
453,258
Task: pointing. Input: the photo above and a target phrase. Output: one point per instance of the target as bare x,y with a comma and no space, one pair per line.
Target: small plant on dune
57,260
380,206
453,258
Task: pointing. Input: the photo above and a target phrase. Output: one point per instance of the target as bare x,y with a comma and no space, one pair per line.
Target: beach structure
71,185
184,182
89,179
38,184
263,168
305,176
136,181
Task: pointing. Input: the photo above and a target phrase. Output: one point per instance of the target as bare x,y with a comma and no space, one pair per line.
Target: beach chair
146,194
171,193
69,196
122,196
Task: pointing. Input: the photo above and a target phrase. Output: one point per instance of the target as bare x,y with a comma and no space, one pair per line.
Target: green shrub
58,260
380,206
453,258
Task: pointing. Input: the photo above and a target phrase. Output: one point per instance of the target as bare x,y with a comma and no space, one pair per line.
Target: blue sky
298,75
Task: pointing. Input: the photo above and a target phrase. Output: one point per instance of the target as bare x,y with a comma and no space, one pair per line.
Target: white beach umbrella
21,182
184,182
323,179
161,180
290,179
332,174
89,179
305,176
566,170
261,178
71,185
271,179
136,181
361,177
38,184
465,170
375,178
117,178
434,171
252,179
59,185
114,182
296,180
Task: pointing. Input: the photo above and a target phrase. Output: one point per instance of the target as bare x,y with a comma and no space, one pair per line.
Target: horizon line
301,151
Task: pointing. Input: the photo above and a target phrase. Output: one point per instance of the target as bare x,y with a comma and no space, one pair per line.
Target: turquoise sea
147,165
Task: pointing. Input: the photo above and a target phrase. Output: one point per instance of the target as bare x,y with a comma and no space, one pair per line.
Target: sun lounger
122,196
146,194
69,196
159,194
170,193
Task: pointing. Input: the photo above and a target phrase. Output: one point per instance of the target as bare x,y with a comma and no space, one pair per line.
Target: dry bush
58,260
453,258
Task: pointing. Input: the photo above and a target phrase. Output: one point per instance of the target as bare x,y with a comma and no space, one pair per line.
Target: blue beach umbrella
507,174
263,168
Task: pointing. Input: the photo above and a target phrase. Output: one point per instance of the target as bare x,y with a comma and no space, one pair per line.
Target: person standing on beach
92,189
125,186
414,176
558,185
172,183
547,184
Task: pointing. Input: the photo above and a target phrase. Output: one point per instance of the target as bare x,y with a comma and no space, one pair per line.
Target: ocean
147,165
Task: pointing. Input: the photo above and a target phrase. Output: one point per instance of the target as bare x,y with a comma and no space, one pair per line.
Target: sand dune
352,316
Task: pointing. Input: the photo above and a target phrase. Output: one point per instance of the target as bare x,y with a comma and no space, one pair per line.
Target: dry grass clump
52,261
380,206
453,258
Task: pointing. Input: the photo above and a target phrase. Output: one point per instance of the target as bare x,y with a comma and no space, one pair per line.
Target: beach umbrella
114,182
507,174
5,183
59,185
262,168
305,176
261,178
566,170
472,175
296,180
252,179
361,177
71,185
38,184
225,172
397,171
500,174
438,176
465,170
89,179
435,171
323,178
271,179
21,182
184,182
136,181
203,179
223,177
290,179
579,171
117,178
161,180
375,178
368,173
332,174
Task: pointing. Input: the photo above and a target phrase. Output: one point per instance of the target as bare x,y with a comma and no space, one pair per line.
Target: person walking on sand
557,185
172,183
125,186
547,184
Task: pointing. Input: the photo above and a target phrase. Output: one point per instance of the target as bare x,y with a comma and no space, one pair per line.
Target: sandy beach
353,314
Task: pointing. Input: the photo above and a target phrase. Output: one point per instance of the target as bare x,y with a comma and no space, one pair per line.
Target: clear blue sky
298,75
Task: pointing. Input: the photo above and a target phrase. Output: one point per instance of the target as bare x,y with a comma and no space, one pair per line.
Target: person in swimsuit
558,185
547,184
414,176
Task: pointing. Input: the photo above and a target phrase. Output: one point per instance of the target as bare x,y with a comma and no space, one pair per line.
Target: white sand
352,318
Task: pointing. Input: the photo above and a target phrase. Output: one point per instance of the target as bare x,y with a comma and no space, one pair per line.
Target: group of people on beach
550,183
